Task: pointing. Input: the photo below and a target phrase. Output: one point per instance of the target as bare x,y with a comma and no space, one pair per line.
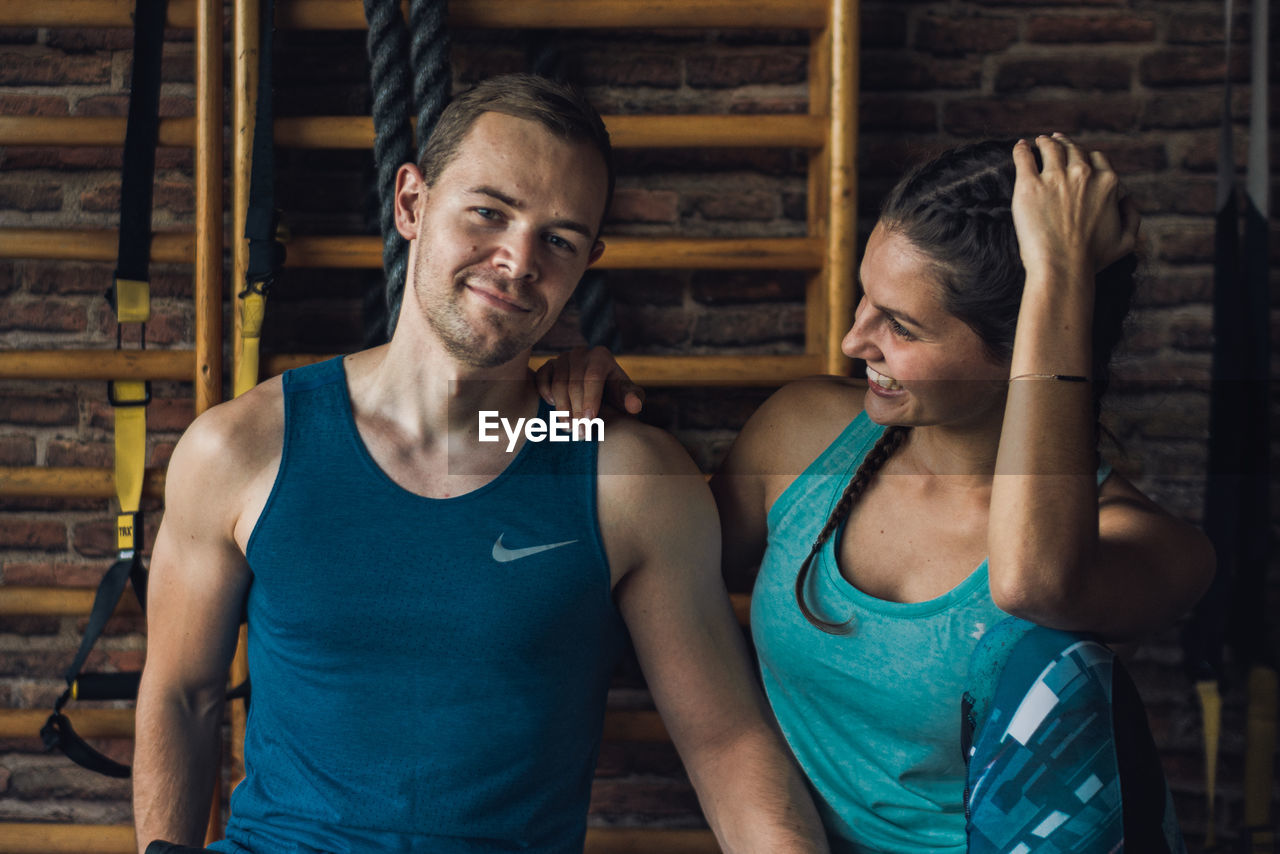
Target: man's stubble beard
450,325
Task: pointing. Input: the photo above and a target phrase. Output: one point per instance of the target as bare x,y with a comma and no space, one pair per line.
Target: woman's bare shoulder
796,423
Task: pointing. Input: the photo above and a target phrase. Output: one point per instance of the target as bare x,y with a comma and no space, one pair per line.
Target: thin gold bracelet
1062,378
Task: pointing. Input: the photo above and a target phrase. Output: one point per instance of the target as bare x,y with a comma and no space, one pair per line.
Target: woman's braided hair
880,452
956,210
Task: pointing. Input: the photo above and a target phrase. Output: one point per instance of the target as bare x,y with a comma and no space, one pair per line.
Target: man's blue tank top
418,687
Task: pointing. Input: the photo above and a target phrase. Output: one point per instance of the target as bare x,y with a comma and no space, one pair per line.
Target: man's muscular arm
663,539
198,579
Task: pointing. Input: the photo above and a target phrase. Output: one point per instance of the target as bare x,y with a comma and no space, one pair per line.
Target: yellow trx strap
129,399
253,306
1211,715
132,301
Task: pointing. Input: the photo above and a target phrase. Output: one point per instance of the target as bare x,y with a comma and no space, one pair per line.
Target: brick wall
1138,79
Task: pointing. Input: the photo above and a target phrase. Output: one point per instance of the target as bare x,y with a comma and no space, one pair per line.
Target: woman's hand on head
1071,211
581,379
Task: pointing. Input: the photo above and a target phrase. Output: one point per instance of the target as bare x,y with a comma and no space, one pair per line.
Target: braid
994,211
885,446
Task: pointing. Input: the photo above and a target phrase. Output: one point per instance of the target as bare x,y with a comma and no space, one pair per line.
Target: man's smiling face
504,235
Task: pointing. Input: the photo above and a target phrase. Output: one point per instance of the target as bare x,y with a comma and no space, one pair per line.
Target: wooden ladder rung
667,371
356,132
29,837
697,371
60,482
575,14
22,600
90,245
180,14
89,723
646,840
88,130
46,838
646,131
622,253
475,14
365,251
716,131
178,365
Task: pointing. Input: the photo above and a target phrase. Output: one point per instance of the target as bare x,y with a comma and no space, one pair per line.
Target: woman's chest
901,547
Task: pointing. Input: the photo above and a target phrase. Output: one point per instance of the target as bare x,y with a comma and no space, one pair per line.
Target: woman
882,600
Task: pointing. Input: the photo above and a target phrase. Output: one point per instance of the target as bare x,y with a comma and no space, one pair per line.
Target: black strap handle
159,846
107,686
110,589
58,734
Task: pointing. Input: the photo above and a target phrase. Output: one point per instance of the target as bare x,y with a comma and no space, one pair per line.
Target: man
433,619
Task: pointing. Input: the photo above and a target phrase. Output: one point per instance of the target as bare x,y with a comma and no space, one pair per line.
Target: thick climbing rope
388,48
392,59
597,318
429,55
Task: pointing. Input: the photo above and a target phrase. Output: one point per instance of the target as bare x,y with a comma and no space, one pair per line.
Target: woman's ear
410,194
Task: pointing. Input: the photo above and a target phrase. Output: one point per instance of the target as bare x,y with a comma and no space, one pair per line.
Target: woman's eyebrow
899,315
892,312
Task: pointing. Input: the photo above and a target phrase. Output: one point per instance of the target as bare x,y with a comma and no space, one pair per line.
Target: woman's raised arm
1063,553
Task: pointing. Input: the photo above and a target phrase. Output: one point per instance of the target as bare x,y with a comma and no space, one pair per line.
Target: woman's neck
962,452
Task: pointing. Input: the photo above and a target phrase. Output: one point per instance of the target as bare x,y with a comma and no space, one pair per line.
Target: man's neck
429,395
418,413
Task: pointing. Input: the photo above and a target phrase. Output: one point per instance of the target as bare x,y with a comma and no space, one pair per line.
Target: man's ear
597,249
411,192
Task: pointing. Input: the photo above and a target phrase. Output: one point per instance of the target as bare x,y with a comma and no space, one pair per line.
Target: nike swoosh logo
502,554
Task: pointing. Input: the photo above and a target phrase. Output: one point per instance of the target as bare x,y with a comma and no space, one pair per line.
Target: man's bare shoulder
239,431
655,508
230,446
631,447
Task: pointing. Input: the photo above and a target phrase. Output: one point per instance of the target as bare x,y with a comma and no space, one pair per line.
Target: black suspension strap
1204,637
1249,612
262,219
597,314
130,298
1236,514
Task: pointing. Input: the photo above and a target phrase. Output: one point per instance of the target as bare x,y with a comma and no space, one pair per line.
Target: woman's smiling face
924,365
